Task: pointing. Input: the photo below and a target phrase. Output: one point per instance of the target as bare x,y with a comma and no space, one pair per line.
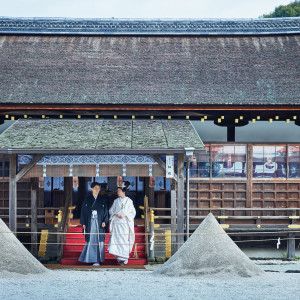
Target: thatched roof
152,69
97,136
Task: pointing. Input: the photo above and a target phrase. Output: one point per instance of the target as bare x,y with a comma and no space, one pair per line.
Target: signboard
169,166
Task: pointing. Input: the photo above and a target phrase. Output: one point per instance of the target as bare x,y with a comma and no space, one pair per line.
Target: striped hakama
94,250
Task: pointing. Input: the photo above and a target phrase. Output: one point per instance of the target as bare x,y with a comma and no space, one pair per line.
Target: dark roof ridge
121,26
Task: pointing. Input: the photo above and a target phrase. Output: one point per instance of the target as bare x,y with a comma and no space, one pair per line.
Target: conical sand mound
210,251
14,257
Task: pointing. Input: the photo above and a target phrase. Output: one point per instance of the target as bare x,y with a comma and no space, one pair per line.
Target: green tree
283,11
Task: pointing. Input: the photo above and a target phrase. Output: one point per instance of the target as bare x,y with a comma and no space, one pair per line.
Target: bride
122,237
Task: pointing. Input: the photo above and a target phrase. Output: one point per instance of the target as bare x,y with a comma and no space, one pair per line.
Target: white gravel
98,283
14,257
144,284
210,252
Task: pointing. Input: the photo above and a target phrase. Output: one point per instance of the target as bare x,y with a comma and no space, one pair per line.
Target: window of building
4,166
269,161
200,164
294,161
228,161
219,161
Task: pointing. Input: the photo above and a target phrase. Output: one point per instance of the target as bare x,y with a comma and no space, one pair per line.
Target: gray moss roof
240,70
212,62
59,26
99,136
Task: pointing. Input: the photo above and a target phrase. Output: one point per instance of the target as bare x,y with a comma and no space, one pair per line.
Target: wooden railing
287,226
27,217
289,220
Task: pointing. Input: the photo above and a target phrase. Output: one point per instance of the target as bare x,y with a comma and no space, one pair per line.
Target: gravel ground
14,257
30,280
209,251
143,284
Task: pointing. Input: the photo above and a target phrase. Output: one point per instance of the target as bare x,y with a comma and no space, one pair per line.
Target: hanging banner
169,166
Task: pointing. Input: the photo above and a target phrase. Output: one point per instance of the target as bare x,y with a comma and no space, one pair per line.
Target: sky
139,8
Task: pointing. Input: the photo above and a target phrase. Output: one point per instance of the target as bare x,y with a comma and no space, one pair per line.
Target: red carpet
75,243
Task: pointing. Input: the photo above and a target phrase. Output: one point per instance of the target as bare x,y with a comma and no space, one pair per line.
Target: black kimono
93,213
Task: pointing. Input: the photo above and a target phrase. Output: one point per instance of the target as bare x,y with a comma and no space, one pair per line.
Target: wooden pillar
249,172
13,179
291,246
34,227
12,193
291,243
173,218
180,200
149,191
231,133
68,189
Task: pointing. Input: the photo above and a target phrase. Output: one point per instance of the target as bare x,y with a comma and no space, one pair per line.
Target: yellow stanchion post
168,243
71,215
59,218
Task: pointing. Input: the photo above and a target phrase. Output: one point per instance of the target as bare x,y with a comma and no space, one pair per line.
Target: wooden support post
34,192
291,246
147,225
12,193
291,243
222,220
173,218
63,225
13,179
180,200
68,189
231,133
149,191
249,172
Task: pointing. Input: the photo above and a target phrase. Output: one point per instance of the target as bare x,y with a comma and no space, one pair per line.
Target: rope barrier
62,233
159,243
162,233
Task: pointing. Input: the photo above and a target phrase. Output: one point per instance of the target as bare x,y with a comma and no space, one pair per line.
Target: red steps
76,254
75,248
139,229
107,262
75,243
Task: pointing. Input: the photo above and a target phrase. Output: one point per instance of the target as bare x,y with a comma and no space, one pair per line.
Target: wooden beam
162,163
93,151
28,167
34,190
148,107
12,193
180,200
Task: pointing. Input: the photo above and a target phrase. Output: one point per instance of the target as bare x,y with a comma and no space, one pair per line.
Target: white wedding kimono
122,236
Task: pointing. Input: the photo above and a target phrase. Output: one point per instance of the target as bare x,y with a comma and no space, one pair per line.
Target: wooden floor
59,266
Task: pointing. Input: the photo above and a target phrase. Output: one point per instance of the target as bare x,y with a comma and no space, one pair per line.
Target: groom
94,219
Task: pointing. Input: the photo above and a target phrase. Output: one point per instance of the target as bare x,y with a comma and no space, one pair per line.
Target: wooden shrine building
111,99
